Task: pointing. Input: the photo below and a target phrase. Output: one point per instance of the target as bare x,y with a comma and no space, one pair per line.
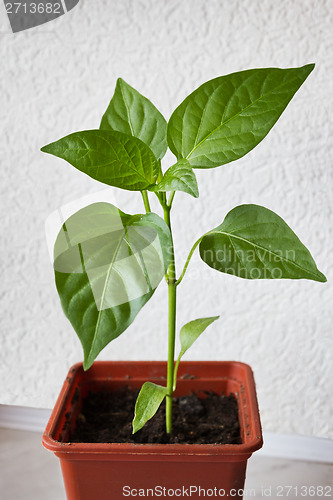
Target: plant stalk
188,259
146,201
172,327
171,197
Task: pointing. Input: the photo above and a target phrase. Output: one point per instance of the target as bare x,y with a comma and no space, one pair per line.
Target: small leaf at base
188,335
192,330
148,402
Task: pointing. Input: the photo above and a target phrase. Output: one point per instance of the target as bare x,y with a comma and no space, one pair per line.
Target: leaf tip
309,68
122,83
46,149
135,426
321,277
87,363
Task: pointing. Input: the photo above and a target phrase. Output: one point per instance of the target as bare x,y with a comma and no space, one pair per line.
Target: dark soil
106,418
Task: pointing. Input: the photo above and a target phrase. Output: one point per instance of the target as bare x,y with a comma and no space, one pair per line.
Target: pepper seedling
108,263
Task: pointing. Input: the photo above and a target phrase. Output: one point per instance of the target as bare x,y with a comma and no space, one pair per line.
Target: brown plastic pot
114,471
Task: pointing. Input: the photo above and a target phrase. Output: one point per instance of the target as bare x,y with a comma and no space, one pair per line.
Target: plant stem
171,355
172,327
188,260
146,201
175,370
171,197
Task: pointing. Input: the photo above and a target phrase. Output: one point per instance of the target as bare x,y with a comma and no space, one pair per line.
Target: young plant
108,264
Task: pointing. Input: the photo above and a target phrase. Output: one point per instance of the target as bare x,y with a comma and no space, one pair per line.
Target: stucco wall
58,78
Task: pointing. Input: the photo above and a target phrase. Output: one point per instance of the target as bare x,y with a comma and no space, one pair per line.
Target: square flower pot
95,471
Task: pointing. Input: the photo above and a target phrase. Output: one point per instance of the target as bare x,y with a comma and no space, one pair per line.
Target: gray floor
29,472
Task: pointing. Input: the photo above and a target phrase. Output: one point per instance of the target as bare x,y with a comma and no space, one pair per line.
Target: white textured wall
58,78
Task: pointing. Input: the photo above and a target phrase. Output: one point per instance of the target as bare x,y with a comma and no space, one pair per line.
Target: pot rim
253,439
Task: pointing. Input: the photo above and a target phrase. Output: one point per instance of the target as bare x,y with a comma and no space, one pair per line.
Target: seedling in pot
108,264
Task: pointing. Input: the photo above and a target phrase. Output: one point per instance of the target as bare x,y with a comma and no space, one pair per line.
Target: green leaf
179,177
131,113
148,402
228,116
107,266
188,335
254,243
109,157
192,330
